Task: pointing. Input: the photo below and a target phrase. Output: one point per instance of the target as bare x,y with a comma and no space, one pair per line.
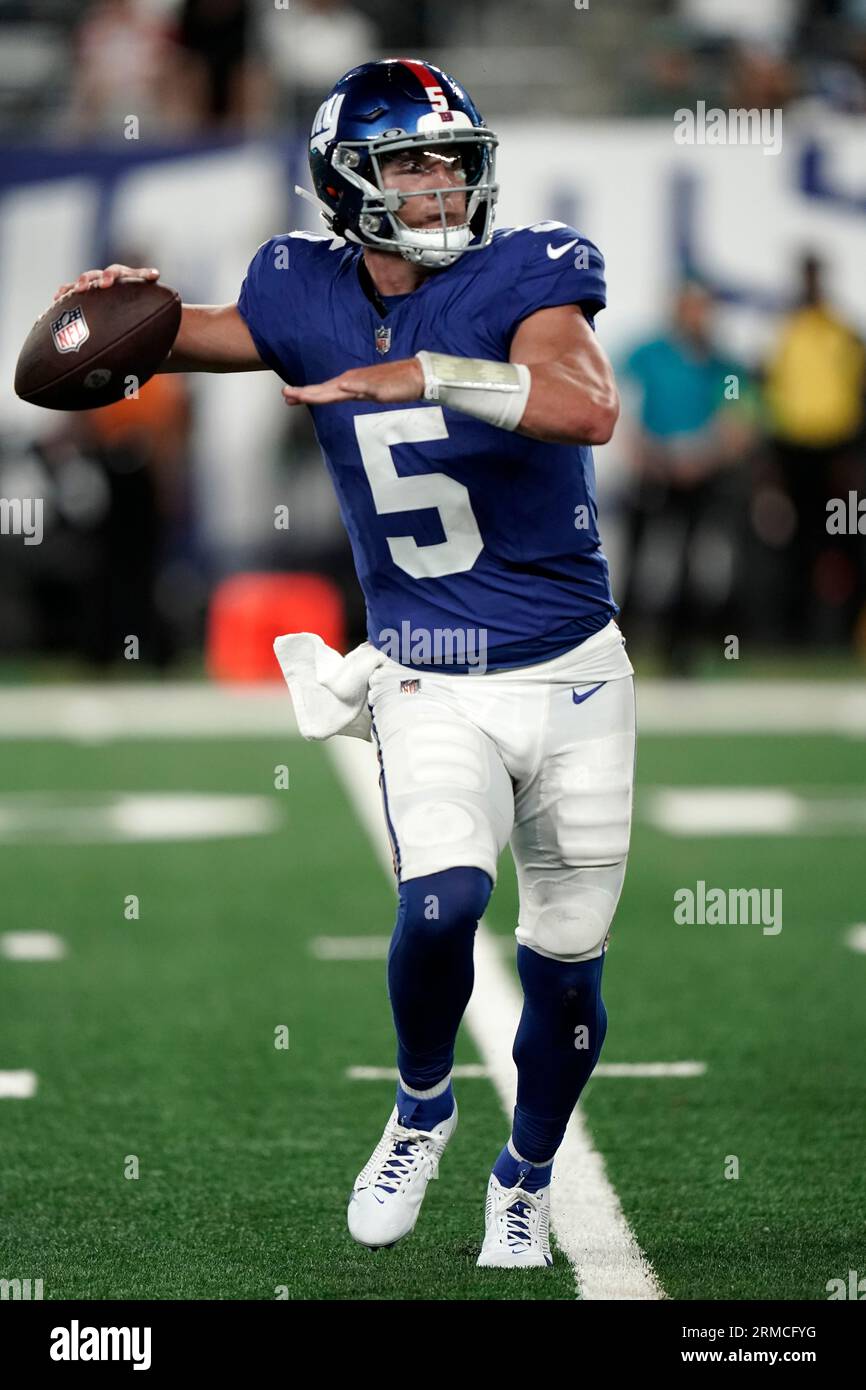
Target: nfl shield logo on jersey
70,330
410,687
383,339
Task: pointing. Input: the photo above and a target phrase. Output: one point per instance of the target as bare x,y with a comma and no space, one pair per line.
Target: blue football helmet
377,110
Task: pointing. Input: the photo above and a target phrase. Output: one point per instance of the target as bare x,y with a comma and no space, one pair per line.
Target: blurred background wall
172,133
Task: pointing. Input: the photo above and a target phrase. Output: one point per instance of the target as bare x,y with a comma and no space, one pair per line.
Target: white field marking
473,1071
856,937
17,1085
464,1071
195,709
114,817
650,1069
587,1218
706,811
145,709
752,707
350,947
32,945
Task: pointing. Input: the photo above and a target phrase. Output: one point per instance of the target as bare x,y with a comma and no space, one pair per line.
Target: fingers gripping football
104,279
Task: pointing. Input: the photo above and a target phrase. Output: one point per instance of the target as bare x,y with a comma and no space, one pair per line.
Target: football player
457,385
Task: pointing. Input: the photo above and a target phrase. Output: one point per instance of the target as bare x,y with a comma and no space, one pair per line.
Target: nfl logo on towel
70,330
410,687
383,339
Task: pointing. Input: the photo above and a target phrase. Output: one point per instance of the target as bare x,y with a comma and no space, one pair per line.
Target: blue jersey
455,525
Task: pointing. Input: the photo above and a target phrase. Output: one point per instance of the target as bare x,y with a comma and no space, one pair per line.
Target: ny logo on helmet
325,123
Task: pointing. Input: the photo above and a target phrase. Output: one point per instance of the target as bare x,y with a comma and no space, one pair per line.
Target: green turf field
154,1038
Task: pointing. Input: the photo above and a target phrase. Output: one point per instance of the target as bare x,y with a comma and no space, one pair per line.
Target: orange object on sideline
247,611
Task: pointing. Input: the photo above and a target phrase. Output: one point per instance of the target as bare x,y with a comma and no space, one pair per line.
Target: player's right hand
103,279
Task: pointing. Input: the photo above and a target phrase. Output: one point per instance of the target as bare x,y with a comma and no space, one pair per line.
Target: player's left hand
390,382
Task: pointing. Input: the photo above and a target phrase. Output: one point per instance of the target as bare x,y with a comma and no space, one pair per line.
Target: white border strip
198,709
587,1219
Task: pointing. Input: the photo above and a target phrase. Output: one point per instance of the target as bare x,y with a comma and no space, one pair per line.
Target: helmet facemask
443,242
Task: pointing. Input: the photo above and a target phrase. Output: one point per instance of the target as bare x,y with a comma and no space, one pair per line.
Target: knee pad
439,904
567,913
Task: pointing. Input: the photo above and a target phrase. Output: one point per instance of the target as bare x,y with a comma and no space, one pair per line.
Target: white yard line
17,1085
650,1069
350,947
472,1071
701,812
97,713
32,945
856,937
465,1071
586,1215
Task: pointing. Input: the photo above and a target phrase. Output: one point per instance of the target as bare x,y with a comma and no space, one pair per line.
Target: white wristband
496,392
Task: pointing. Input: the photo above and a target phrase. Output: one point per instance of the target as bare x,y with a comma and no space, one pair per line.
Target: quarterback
456,385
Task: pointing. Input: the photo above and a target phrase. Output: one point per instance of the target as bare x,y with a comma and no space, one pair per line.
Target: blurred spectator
123,65
694,422
815,383
758,77
666,73
310,46
115,557
142,447
772,22
223,82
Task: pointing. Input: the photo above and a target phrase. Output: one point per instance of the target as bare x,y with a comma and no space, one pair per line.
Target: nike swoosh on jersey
579,699
554,252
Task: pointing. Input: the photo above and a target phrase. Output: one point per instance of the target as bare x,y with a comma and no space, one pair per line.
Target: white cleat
517,1228
389,1189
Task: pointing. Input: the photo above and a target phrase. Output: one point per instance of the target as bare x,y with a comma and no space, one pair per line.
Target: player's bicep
555,335
213,338
573,397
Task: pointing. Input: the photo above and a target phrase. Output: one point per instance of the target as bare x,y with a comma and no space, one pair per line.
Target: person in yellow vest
815,392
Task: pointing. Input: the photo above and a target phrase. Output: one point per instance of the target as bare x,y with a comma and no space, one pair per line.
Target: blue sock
519,1172
430,969
427,1110
562,1028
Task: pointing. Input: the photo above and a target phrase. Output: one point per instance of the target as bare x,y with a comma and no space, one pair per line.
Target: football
92,347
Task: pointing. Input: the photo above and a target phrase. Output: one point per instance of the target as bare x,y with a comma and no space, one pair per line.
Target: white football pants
541,757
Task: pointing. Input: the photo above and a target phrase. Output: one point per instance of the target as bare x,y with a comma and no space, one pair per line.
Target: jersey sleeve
262,305
557,266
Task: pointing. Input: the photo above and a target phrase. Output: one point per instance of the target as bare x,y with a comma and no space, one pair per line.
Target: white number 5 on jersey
377,434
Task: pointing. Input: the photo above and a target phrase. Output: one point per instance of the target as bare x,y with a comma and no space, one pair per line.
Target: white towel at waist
329,691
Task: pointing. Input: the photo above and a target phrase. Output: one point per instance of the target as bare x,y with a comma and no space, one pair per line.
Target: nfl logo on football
383,340
70,330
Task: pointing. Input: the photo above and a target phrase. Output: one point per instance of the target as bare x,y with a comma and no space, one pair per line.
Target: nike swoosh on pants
579,699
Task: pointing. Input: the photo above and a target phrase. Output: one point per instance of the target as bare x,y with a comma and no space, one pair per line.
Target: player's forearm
212,338
566,406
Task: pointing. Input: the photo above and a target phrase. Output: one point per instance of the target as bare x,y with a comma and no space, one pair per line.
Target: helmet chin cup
433,247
